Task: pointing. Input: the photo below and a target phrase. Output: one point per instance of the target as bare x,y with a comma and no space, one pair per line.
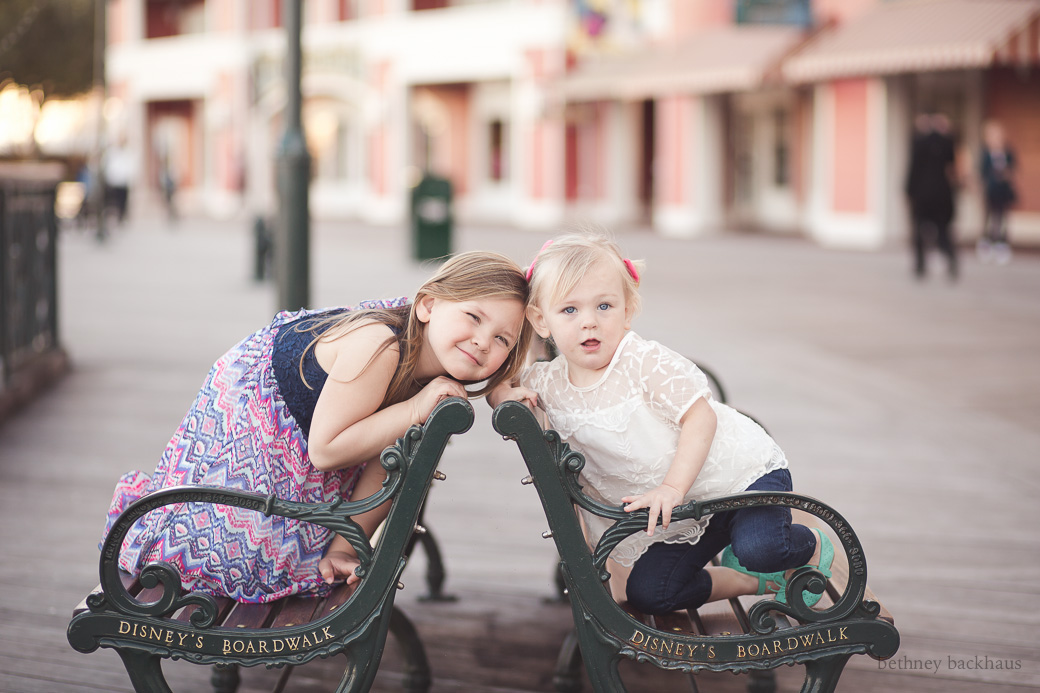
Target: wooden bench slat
635,613
717,618
251,615
297,610
675,622
337,598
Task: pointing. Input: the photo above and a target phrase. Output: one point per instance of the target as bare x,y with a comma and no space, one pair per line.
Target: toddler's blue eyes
570,310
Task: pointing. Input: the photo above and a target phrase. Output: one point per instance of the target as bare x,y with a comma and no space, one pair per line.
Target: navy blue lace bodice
290,342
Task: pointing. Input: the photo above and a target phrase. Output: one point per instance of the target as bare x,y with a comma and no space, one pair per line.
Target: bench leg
601,664
761,681
417,677
364,654
567,677
435,572
145,671
821,675
283,679
225,678
363,657
362,662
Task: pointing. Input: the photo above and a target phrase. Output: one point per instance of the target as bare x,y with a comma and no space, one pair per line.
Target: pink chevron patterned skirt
238,434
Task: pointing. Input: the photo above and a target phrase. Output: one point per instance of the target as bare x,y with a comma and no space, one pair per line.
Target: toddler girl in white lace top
653,437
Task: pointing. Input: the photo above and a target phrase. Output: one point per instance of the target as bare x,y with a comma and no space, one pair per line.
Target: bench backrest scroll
115,617
849,625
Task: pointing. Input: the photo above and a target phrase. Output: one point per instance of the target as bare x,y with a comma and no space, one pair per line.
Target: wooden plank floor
912,408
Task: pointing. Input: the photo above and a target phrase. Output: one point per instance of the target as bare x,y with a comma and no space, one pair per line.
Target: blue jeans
671,576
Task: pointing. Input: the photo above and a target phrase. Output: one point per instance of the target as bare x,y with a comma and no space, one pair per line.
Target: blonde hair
465,277
558,268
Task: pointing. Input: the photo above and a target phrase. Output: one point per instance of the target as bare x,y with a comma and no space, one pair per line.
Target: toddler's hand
337,565
659,501
505,392
432,393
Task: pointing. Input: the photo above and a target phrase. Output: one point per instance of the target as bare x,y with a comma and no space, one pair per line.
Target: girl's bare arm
348,427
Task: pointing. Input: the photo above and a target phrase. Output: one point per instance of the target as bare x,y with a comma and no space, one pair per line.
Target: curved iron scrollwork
334,515
357,628
570,463
821,639
515,421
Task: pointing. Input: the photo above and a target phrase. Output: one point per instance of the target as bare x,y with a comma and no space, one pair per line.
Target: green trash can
432,218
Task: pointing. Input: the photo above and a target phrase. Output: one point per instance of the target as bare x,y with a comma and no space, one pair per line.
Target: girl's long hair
465,277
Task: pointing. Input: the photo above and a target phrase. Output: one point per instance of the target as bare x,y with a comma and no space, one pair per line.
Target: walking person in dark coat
930,189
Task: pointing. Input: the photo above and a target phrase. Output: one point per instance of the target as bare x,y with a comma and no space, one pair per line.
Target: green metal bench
747,635
150,619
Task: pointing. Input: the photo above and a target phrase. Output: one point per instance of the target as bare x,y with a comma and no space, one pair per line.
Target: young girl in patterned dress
299,407
653,437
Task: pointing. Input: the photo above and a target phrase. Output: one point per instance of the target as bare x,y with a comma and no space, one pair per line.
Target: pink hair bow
630,266
530,270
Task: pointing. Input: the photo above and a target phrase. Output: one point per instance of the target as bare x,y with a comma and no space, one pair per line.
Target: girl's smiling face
467,340
587,323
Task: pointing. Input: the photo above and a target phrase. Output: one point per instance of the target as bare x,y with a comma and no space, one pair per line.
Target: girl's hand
437,389
505,392
337,565
659,501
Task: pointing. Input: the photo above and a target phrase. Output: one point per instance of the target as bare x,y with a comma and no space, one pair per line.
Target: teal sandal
772,583
826,559
776,583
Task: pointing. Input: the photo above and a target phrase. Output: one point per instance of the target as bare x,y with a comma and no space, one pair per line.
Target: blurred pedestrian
996,169
930,189
119,171
85,178
168,184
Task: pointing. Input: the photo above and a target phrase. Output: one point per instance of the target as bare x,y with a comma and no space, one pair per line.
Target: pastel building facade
390,88
797,117
687,116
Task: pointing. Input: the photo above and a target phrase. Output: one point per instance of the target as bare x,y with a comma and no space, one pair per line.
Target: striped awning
921,36
719,60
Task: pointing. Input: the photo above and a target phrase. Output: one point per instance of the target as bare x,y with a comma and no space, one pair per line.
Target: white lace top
627,426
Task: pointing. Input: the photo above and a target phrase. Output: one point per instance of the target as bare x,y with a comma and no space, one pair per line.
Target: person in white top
653,437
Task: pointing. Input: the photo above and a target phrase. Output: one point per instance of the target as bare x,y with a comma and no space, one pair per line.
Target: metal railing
28,271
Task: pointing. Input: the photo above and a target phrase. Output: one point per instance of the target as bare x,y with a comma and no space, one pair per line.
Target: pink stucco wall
850,145
674,172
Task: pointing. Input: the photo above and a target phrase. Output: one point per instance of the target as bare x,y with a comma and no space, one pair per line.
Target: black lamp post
97,190
293,163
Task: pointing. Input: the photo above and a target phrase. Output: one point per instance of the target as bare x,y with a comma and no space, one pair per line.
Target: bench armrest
555,470
411,465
